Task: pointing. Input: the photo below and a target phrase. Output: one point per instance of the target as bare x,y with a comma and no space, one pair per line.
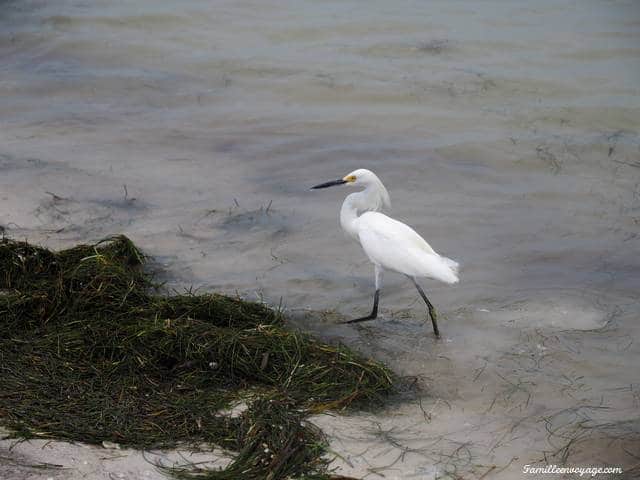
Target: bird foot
434,321
357,320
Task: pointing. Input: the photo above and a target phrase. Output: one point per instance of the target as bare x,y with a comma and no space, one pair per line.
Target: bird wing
390,230
396,246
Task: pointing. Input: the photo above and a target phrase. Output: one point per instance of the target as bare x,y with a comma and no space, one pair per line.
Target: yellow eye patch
350,178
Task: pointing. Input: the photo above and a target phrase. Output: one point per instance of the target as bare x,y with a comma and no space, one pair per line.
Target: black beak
333,183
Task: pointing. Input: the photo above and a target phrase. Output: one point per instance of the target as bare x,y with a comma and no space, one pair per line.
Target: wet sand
507,135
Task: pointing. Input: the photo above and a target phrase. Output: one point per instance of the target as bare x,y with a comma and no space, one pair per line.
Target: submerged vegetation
90,351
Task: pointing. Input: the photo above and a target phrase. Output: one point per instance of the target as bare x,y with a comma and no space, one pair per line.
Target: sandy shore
46,459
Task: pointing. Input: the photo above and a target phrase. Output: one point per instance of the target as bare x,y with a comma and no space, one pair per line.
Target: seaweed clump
90,351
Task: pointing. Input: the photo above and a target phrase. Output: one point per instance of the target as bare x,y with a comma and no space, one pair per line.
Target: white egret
388,243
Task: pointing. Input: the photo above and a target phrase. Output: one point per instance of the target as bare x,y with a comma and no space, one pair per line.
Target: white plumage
389,244
396,246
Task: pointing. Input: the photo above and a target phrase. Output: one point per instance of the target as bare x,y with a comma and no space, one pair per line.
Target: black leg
374,312
432,311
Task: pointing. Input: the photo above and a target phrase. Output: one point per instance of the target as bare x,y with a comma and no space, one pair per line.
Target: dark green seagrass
89,351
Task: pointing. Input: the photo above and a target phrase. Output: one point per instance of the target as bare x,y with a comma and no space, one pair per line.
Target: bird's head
362,178
358,178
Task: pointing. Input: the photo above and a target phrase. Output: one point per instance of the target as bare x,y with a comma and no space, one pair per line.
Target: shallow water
507,133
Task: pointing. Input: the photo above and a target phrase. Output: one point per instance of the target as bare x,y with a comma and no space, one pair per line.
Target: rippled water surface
506,132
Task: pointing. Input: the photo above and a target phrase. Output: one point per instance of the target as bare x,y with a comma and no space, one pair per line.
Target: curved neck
349,215
369,199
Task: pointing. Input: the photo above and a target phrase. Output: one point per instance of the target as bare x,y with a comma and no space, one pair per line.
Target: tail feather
453,268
